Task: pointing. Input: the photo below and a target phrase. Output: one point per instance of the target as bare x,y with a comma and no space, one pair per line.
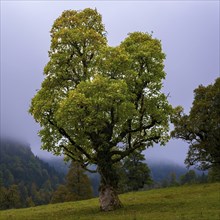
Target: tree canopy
97,103
201,128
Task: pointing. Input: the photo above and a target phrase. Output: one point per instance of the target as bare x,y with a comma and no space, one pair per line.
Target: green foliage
3,198
188,178
186,202
95,96
77,186
214,174
173,180
10,198
201,127
134,174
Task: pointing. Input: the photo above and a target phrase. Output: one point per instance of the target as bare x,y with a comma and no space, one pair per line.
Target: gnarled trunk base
108,199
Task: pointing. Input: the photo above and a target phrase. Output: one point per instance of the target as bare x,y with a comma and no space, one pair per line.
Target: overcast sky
189,32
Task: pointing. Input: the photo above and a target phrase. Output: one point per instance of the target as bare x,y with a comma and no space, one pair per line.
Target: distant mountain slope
162,170
58,164
18,163
20,170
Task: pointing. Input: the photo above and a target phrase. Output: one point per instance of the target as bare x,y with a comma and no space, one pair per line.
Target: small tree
95,96
3,198
77,187
137,173
30,202
214,174
201,128
34,194
10,198
173,181
188,178
78,183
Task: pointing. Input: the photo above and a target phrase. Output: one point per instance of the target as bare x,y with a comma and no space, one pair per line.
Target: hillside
18,162
176,203
30,179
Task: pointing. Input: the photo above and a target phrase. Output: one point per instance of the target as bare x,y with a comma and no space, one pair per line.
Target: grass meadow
193,202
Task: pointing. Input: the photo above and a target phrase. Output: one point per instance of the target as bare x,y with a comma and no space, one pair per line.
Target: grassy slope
197,202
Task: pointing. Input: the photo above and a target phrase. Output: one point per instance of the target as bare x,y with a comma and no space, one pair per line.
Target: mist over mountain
25,180
161,170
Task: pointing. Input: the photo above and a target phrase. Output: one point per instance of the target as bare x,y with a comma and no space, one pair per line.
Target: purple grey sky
189,32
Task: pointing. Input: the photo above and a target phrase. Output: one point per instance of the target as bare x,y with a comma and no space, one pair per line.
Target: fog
189,32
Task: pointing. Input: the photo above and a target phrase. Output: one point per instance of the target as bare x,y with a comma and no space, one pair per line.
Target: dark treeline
174,179
167,174
25,180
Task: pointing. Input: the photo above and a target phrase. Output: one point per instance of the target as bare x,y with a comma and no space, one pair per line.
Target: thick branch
129,131
83,165
64,133
135,146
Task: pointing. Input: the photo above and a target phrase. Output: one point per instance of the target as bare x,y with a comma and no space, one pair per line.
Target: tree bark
108,198
108,195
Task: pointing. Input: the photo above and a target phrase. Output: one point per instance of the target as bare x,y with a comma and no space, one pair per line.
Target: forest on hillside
25,180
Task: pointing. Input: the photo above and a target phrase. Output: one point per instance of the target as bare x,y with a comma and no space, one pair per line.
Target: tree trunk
108,198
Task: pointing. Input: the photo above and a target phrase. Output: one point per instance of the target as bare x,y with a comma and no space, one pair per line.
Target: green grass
196,202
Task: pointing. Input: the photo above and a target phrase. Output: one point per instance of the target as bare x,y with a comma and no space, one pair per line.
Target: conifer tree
136,172
78,183
77,186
